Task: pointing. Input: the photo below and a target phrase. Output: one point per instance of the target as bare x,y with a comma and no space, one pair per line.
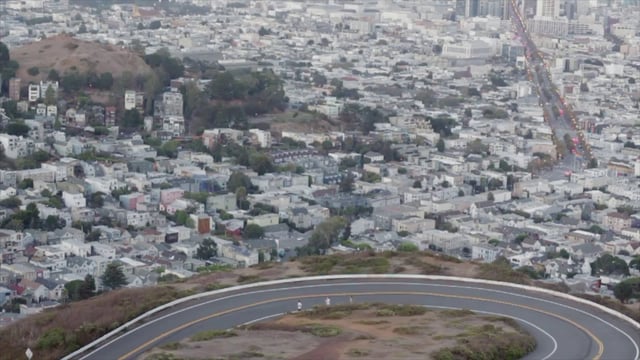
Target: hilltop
65,53
60,330
360,330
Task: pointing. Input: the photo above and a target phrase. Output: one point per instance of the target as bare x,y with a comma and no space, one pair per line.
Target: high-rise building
548,8
473,8
14,88
129,99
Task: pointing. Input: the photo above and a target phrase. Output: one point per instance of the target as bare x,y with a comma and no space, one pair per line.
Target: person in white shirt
299,305
327,301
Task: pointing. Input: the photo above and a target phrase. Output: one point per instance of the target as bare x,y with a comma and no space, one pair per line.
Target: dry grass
65,53
55,332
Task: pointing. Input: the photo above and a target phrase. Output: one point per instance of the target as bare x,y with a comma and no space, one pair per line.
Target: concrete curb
171,304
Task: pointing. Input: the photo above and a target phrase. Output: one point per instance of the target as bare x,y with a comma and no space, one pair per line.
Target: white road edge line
123,327
555,343
263,318
365,284
362,284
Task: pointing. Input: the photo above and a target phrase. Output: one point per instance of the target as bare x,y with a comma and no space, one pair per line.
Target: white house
74,200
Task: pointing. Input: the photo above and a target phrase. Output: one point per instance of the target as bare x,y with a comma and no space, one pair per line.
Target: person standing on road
299,305
350,299
327,301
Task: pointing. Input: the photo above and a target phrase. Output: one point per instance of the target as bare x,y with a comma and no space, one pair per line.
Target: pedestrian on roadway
299,305
327,301
350,299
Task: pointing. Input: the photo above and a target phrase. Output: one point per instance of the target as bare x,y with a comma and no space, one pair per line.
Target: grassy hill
61,330
64,54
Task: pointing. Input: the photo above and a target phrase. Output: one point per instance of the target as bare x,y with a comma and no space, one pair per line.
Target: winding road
565,328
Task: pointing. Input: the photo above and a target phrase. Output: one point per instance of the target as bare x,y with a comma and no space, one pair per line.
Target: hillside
60,330
64,53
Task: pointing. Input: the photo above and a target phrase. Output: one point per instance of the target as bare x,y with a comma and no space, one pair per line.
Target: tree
264,31
81,289
17,129
105,81
529,134
12,203
113,276
11,108
155,25
623,291
53,75
238,179
440,145
241,195
25,184
477,147
50,96
82,29
608,264
96,200
132,119
33,71
53,222
94,235
253,231
207,250
585,215
326,233
4,54
73,81
260,163
346,184
417,184
181,217
88,287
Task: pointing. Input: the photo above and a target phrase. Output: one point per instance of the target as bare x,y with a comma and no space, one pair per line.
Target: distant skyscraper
548,8
473,8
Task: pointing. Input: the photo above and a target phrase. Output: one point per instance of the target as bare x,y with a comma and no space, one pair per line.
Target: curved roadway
564,329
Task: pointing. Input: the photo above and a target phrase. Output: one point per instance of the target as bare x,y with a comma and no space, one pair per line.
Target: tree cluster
81,289
164,64
357,117
324,235
608,264
230,98
75,81
8,67
627,289
30,219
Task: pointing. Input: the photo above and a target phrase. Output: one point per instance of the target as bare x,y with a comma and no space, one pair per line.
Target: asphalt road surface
563,329
561,124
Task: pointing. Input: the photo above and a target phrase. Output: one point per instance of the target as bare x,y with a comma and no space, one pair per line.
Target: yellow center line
291,298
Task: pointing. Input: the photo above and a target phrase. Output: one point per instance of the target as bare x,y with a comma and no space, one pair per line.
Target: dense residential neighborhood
263,130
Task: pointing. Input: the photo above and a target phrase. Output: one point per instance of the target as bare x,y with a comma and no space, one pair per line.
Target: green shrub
212,334
174,345
358,353
52,338
407,330
324,330
404,310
